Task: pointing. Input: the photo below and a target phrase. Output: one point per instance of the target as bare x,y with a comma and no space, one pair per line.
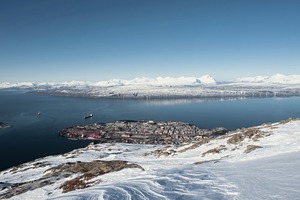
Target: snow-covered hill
159,81
168,87
274,79
17,85
251,163
182,81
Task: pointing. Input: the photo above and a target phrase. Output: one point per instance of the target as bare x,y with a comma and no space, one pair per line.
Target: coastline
157,93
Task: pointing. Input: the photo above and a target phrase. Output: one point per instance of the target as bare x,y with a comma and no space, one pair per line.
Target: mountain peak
207,79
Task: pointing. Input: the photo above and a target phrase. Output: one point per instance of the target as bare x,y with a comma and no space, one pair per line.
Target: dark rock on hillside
85,171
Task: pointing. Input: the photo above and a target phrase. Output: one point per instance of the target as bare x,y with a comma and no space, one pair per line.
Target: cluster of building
140,132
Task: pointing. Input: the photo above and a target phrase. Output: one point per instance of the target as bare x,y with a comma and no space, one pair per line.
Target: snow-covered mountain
259,162
17,85
169,87
274,79
140,81
182,81
159,81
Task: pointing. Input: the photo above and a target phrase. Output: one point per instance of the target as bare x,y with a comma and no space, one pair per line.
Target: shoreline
155,94
128,96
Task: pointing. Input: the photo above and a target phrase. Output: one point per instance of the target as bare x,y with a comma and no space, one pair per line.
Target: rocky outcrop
88,170
250,148
85,171
250,133
214,150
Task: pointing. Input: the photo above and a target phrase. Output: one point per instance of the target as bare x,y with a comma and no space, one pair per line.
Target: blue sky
63,40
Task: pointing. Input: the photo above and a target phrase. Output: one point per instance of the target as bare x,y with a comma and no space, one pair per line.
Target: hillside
250,163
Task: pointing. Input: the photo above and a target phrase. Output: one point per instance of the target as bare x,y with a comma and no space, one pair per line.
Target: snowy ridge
182,81
274,79
17,85
168,87
159,81
140,81
209,169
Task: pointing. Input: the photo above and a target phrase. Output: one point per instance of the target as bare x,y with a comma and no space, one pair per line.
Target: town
140,132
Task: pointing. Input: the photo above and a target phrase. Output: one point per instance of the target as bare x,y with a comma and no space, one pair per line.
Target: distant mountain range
159,81
168,87
205,80
274,79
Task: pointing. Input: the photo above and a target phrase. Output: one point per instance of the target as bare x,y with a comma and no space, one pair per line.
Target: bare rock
236,139
250,133
195,145
215,150
206,161
85,171
89,170
250,148
162,151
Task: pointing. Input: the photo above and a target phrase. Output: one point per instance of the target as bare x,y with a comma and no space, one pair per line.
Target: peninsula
140,132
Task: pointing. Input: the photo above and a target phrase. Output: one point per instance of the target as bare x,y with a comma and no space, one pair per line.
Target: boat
89,116
4,125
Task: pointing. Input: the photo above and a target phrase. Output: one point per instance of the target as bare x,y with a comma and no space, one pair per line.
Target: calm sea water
35,136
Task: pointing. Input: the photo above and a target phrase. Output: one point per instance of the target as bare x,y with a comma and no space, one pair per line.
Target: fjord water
33,136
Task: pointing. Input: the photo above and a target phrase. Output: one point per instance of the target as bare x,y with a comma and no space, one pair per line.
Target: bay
33,136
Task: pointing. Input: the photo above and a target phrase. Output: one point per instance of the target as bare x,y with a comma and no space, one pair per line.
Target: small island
140,132
4,125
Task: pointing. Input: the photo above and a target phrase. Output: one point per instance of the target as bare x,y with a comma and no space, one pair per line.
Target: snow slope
210,169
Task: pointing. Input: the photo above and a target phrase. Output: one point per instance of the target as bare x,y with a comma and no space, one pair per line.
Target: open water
33,136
